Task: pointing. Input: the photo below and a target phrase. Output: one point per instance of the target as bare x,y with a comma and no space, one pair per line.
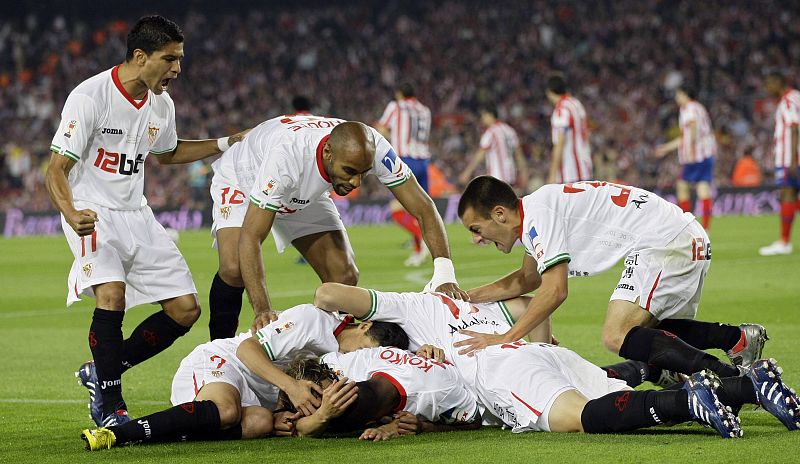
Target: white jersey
435,319
592,225
427,388
410,124
787,117
500,142
569,119
302,331
109,135
279,164
703,146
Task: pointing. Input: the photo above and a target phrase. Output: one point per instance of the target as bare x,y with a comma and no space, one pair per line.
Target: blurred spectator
746,172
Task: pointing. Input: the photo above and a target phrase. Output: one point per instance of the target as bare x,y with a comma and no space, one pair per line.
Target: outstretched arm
257,225
524,280
333,297
556,156
476,160
187,151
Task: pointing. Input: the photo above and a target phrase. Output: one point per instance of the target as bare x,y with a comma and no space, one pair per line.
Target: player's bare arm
300,392
336,398
522,168
549,297
793,163
556,157
421,206
333,297
257,225
81,221
476,160
667,148
187,151
524,280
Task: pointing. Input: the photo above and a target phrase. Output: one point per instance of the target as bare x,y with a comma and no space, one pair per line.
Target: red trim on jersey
521,220
299,113
94,241
320,166
75,287
575,145
115,78
194,380
400,389
538,413
345,322
652,291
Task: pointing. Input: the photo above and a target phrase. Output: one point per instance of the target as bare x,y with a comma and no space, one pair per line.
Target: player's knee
185,310
347,276
612,340
231,274
256,423
230,414
110,296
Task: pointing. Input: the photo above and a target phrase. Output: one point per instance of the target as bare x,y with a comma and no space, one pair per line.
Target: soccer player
501,149
221,388
584,228
571,156
697,148
541,387
123,256
277,181
787,175
406,123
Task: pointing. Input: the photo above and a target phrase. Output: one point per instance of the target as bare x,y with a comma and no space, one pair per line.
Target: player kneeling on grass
409,393
220,386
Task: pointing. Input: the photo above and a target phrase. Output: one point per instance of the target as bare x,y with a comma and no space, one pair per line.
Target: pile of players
472,365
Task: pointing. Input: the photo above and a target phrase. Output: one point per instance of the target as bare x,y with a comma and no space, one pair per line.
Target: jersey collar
345,322
320,166
118,84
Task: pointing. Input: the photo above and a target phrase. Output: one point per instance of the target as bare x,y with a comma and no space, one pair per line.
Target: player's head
371,334
306,369
348,155
489,209
488,115
556,86
405,90
684,94
775,83
301,104
155,45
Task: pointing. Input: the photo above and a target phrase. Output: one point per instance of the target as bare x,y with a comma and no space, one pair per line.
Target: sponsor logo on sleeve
284,327
71,127
270,186
390,160
532,233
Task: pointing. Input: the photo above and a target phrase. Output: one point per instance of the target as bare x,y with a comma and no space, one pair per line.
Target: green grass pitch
42,409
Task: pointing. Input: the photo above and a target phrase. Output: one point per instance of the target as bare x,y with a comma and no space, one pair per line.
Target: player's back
409,122
704,145
787,115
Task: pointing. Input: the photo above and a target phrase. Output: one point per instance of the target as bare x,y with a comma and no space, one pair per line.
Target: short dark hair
151,33
689,90
557,83
484,193
407,89
301,103
491,109
388,334
776,74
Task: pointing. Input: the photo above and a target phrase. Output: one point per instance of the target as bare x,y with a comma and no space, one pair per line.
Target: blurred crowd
622,58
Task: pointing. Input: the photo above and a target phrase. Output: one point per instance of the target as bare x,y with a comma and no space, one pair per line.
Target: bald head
349,155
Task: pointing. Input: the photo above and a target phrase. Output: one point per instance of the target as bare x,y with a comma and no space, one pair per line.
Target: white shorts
668,281
518,382
203,366
130,247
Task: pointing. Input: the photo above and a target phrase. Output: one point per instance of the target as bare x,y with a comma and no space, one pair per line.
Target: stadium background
244,62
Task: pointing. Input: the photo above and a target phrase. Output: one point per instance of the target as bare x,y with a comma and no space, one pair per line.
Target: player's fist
82,221
238,137
431,352
262,319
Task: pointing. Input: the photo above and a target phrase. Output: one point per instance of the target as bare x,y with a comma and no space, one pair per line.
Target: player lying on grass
541,387
219,382
422,394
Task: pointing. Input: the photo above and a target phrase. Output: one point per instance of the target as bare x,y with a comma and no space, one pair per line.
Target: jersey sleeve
78,120
486,140
276,178
545,239
388,307
387,166
791,114
388,113
457,406
292,332
167,139
560,119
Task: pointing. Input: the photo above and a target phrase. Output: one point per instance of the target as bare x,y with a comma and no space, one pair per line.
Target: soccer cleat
706,408
773,395
87,377
777,248
119,417
670,378
417,259
97,439
749,348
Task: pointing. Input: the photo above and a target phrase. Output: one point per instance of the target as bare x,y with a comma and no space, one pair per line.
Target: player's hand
478,342
431,352
407,423
301,394
238,137
82,221
464,179
452,290
337,397
284,423
262,319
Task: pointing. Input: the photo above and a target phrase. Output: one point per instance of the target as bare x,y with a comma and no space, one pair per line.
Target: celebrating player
787,173
571,156
222,387
123,256
501,149
277,181
406,122
584,228
697,148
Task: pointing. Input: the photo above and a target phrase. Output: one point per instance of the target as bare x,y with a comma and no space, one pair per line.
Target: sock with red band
152,336
631,410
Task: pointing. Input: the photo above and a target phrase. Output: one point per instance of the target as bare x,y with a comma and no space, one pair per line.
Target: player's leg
227,288
683,195
331,256
788,197
704,196
408,222
106,344
518,307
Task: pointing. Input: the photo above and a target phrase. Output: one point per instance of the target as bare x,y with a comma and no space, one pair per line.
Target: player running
222,388
123,256
787,173
571,155
278,181
407,123
697,148
501,149
584,228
